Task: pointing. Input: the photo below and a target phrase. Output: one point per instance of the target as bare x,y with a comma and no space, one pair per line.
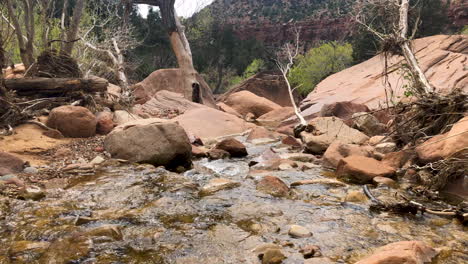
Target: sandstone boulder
414,252
323,131
73,121
121,117
10,164
154,141
368,124
397,159
275,117
337,151
233,146
245,102
343,110
261,133
165,103
226,108
171,80
105,122
209,124
359,169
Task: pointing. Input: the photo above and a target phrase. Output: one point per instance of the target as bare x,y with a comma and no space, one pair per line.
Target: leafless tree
72,32
285,61
398,36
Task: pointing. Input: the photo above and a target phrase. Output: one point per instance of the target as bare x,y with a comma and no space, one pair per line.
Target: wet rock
323,131
337,151
360,169
310,251
385,148
384,181
401,252
153,141
216,154
273,256
355,197
245,102
111,231
234,147
10,164
105,122
368,124
301,157
216,185
73,121
199,152
292,142
274,186
297,231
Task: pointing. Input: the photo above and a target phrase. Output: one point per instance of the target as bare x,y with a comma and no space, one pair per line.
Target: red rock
10,164
105,122
290,141
198,152
404,252
360,169
456,144
226,108
260,133
338,151
274,186
343,110
73,121
245,102
274,118
396,160
165,104
234,147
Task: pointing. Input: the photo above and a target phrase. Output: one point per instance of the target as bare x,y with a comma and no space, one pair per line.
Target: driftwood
55,86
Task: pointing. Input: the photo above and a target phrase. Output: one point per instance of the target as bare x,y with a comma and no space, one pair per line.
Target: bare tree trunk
25,57
73,29
410,58
30,28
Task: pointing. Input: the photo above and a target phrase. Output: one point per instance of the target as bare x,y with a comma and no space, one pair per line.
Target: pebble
298,231
31,170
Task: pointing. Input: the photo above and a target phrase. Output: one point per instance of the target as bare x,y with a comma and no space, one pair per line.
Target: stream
128,213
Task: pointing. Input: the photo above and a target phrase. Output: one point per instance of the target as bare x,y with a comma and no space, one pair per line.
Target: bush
318,63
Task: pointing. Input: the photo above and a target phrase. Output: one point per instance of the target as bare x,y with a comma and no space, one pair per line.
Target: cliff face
271,21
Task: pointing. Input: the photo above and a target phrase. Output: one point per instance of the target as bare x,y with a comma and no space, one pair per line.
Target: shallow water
142,214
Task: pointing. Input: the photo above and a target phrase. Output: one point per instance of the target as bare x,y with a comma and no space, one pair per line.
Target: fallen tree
55,86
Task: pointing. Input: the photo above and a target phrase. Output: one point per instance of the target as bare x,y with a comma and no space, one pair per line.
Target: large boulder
323,131
209,124
338,151
359,169
155,141
171,80
10,164
73,121
451,144
403,252
245,102
270,85
275,117
443,59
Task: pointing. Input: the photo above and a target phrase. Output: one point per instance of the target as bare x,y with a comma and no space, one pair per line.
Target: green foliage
464,31
318,63
255,67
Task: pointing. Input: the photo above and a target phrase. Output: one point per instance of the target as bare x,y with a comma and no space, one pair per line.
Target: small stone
216,185
310,251
216,154
199,152
385,148
298,231
233,147
273,256
384,181
274,186
99,149
355,197
292,142
97,160
31,170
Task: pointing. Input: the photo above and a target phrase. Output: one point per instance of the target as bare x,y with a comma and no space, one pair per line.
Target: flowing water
143,214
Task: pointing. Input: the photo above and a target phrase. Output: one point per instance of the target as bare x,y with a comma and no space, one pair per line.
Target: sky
184,8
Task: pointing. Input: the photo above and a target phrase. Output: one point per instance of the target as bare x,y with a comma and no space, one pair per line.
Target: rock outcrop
170,80
443,59
270,85
154,141
73,121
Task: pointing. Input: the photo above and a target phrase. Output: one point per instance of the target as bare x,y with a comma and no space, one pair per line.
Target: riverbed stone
216,185
273,256
360,169
233,147
297,231
73,121
274,186
384,181
310,251
216,154
416,252
338,150
385,148
154,141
